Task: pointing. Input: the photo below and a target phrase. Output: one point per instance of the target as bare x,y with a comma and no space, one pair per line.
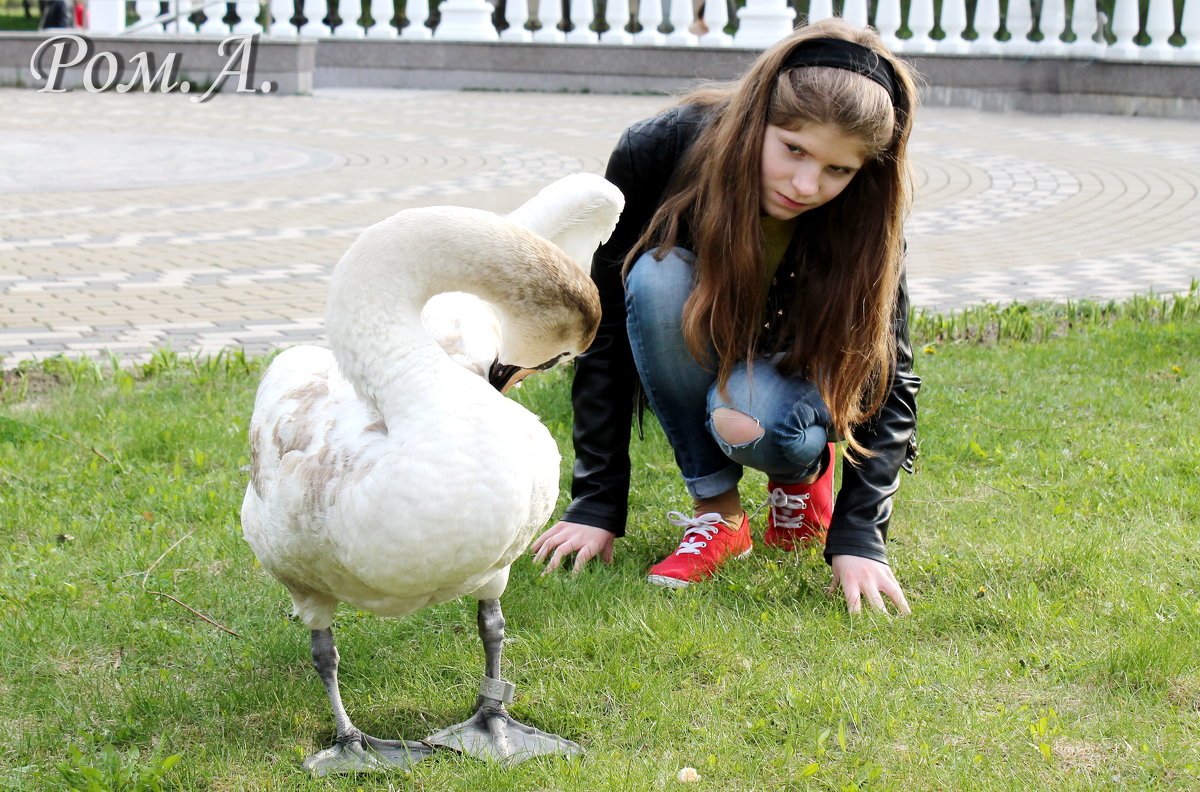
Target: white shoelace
705,525
788,510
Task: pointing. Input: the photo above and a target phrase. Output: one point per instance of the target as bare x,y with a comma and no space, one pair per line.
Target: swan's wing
578,213
466,327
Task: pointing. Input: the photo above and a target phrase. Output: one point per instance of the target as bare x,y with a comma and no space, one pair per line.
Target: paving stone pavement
130,222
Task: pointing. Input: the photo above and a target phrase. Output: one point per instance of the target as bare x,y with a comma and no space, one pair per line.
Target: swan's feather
578,213
341,509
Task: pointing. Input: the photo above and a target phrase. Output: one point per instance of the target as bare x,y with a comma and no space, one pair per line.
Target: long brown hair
847,254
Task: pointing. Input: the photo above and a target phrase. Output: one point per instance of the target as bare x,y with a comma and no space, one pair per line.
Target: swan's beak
503,376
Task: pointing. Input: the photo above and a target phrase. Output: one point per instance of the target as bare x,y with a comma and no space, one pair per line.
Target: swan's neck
379,287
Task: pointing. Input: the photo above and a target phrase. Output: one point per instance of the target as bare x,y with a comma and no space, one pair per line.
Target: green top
777,235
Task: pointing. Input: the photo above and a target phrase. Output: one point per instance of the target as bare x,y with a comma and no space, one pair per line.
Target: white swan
387,476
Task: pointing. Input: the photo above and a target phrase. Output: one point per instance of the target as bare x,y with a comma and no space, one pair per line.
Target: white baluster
212,24
1052,23
540,13
1084,24
681,16
382,12
818,10
856,12
987,23
649,17
317,12
516,14
1189,26
416,12
1019,22
763,22
1125,25
582,12
1160,25
953,23
147,10
106,16
349,11
465,20
716,17
247,11
920,22
616,15
887,22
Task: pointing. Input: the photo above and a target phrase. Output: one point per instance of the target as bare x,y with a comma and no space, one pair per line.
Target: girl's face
804,169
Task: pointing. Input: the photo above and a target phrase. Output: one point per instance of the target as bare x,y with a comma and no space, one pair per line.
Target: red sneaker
800,512
708,542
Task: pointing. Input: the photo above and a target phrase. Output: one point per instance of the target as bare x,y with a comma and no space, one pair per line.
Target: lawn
1049,544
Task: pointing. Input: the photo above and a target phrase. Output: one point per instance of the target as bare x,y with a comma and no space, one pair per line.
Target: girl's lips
789,203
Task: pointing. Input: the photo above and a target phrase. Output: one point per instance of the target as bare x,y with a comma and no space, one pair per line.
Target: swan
390,477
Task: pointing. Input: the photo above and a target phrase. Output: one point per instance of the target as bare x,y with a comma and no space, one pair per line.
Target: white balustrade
247,11
760,23
650,17
516,14
617,14
716,17
763,22
543,13
1085,24
953,22
888,21
1160,25
856,12
212,25
1189,26
1052,23
350,12
818,10
145,10
987,24
582,13
381,13
106,16
920,22
416,11
681,16
1019,22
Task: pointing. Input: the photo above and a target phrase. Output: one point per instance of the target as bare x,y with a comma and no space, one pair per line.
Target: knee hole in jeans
735,427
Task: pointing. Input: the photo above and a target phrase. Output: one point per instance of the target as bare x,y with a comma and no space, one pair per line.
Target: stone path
129,222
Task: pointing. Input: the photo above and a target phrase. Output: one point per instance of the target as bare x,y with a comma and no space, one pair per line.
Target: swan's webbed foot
357,752
491,733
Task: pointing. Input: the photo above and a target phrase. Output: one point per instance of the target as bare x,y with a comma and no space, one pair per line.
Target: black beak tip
500,374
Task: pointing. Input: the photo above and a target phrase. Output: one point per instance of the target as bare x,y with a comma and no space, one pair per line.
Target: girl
754,288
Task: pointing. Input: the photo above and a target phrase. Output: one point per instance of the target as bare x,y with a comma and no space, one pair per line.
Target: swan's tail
578,213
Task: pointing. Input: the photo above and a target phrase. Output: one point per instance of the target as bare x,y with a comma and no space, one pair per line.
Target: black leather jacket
606,390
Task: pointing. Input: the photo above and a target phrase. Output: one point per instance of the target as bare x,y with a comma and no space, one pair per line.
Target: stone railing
1127,30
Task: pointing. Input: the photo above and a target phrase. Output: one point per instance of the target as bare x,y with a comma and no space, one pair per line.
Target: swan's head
555,320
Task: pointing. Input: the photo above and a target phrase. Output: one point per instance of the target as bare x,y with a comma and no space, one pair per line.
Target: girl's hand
586,541
862,577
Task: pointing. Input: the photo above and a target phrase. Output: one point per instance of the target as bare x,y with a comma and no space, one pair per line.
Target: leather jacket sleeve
864,500
605,389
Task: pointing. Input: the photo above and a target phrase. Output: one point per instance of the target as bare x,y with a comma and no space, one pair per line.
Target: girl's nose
806,181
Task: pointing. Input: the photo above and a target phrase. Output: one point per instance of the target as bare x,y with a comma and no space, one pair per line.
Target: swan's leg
352,750
491,733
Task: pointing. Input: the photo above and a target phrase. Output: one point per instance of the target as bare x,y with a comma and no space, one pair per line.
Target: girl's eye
794,149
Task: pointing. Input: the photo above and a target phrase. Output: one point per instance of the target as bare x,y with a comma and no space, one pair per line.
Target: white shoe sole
670,582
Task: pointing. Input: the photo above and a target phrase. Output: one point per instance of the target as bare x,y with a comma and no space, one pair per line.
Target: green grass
1049,545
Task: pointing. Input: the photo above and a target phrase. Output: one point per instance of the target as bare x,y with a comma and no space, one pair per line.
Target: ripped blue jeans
684,395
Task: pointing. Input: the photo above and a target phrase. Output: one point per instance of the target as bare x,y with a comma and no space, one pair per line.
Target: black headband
841,54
